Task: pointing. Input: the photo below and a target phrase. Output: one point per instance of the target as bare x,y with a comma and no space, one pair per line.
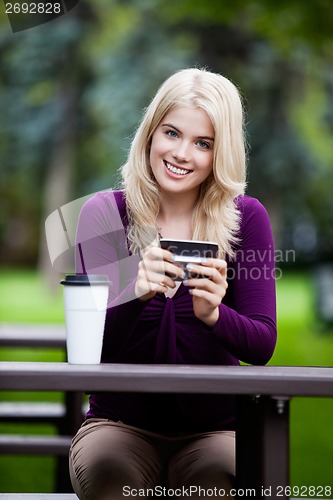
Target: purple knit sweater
165,330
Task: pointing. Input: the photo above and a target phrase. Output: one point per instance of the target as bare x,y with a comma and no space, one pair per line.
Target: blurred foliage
72,92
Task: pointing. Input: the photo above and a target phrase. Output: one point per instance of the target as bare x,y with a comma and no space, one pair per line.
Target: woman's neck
175,218
177,206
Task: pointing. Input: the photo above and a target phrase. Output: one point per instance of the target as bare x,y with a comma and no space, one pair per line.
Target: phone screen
190,251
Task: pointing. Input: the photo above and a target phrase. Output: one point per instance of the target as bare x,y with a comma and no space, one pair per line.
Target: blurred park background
71,94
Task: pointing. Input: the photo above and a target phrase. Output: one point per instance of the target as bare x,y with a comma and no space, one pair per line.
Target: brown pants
113,461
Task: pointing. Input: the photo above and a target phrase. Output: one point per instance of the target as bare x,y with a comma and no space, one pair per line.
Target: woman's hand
209,291
154,274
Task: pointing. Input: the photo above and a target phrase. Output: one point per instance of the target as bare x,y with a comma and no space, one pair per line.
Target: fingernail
185,282
183,274
189,267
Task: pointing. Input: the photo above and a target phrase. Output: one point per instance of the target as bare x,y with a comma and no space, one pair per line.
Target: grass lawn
300,342
24,300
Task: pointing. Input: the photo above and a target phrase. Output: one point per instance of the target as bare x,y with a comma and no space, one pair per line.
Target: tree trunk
58,182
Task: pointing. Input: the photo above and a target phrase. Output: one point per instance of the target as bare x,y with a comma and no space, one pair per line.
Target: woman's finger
157,253
216,271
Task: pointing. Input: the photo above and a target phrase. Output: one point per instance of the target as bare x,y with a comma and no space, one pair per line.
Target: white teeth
176,170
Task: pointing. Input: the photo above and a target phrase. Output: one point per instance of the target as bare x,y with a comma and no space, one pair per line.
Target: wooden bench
66,416
40,336
262,445
35,445
68,496
38,496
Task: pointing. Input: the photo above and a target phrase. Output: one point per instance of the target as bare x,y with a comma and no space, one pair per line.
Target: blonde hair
215,217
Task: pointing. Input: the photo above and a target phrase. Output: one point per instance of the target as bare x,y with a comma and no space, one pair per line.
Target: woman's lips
175,171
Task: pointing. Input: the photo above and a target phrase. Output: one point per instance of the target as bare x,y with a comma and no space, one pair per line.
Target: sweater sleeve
247,321
104,250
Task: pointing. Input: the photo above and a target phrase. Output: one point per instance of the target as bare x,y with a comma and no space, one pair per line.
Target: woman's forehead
192,119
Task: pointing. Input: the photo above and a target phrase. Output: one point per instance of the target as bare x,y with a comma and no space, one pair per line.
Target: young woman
184,179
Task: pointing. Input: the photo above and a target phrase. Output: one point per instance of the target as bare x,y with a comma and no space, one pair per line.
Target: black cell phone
190,252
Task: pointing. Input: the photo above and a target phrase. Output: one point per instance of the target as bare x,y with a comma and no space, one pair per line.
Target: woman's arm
247,317
237,303
102,239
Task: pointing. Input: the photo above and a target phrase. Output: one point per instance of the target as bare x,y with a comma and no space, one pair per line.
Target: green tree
73,90
280,54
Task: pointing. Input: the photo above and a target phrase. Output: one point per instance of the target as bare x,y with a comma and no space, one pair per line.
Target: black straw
82,261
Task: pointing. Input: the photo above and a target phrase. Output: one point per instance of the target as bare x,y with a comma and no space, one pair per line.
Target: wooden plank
274,440
38,496
262,444
19,411
64,496
265,380
45,336
32,411
37,445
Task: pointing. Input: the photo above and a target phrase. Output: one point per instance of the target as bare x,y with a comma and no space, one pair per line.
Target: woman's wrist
212,318
141,295
147,296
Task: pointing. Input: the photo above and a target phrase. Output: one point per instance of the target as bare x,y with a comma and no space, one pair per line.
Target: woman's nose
182,151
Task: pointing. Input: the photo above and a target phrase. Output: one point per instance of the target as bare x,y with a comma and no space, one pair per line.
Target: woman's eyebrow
206,137
171,126
177,130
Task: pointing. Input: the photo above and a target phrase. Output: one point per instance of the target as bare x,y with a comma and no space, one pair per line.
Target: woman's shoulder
249,206
253,213
104,201
108,205
246,203
107,197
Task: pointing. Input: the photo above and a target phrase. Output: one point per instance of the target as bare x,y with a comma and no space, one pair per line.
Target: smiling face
182,151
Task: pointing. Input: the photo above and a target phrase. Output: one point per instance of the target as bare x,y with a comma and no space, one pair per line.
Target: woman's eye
172,133
203,144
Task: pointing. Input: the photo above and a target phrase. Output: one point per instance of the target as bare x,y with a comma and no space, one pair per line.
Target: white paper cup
85,298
